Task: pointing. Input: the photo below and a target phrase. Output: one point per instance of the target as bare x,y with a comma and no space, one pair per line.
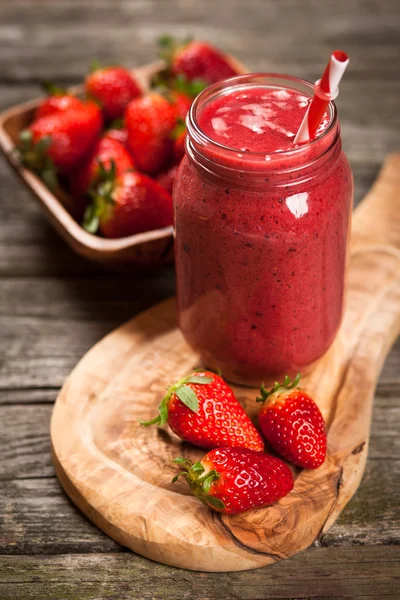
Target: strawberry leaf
199,379
208,479
188,397
191,88
179,460
166,41
197,467
163,410
286,385
213,502
162,416
49,177
95,65
43,145
52,90
90,219
184,392
25,139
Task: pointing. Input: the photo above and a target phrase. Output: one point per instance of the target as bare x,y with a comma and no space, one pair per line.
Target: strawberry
167,178
58,100
104,152
195,60
150,121
113,88
57,142
293,425
233,480
202,409
128,204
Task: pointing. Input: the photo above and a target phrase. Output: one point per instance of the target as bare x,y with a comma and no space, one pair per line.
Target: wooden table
54,305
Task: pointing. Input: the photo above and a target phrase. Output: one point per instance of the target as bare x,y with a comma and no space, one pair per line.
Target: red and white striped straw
325,90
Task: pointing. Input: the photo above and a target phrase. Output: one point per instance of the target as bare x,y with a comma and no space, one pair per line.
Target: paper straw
325,90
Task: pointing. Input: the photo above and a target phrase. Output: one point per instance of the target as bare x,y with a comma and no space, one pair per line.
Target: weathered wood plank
28,395
41,352
25,445
35,46
37,517
339,573
24,441
373,514
98,297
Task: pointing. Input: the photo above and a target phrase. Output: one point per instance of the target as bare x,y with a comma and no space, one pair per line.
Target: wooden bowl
149,249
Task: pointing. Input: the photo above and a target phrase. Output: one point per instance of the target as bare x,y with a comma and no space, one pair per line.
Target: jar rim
198,136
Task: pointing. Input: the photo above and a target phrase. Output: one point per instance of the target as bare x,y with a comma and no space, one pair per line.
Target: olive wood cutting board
119,473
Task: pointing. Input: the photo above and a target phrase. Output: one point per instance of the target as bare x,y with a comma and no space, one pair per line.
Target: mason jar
261,240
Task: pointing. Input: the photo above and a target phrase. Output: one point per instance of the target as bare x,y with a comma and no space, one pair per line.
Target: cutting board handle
377,218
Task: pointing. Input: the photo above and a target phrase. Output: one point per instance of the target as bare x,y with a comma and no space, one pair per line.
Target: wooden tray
152,248
119,473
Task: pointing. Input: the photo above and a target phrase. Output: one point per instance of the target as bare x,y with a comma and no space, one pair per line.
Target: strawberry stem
286,385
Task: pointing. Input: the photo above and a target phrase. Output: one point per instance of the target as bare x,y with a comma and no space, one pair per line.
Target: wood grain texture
37,519
119,473
340,573
269,34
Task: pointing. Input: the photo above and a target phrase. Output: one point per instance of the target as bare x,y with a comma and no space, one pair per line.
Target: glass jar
261,245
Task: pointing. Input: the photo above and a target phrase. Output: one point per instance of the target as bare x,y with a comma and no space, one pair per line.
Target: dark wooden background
54,306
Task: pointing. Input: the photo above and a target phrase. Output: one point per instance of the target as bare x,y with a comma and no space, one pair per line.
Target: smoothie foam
257,119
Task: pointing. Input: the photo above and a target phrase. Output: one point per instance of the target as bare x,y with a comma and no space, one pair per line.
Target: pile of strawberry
117,150
237,475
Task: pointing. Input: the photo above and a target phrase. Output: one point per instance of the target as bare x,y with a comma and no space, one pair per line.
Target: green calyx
53,90
168,46
101,193
185,394
192,88
95,65
166,83
179,129
286,385
199,482
35,156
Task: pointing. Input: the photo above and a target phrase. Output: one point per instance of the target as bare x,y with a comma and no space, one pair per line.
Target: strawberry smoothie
261,229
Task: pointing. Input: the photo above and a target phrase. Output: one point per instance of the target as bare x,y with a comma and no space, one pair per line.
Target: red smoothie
261,229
